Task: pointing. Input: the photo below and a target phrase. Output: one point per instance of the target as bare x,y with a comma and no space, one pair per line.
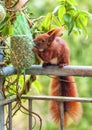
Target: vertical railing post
10,115
1,93
30,116
61,115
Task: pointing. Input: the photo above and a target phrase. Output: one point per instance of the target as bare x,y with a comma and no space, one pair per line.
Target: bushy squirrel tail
65,86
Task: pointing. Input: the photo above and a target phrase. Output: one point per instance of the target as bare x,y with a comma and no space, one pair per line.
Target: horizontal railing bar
7,101
57,98
51,70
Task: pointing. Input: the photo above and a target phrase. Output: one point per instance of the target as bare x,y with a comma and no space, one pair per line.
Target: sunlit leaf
73,2
75,31
85,13
56,9
61,12
62,2
81,22
83,26
56,21
79,26
11,29
84,17
37,85
71,10
45,24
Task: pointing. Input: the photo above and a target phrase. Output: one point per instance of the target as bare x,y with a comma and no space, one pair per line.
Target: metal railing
46,98
39,70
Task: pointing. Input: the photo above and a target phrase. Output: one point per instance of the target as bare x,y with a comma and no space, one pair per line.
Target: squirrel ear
55,32
51,37
50,32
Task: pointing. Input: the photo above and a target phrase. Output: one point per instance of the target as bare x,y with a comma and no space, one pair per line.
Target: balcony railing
39,70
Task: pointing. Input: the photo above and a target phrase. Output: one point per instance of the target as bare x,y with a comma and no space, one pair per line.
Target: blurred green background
81,52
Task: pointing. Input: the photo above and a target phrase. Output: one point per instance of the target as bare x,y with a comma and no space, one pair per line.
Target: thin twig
54,77
32,117
34,114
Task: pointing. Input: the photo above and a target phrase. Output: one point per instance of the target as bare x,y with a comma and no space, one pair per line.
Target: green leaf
56,21
47,19
83,27
70,27
45,24
81,21
22,70
3,24
85,13
75,31
5,31
56,9
71,10
11,29
72,2
62,2
80,25
61,12
67,19
37,85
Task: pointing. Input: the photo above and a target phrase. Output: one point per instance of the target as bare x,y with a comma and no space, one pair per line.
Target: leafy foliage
68,15
6,28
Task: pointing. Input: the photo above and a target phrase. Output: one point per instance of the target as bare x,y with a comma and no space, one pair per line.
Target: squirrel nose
36,46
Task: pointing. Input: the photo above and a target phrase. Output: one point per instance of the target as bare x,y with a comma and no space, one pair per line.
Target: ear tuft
55,32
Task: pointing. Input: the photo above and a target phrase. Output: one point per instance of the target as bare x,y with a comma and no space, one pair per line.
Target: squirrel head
43,41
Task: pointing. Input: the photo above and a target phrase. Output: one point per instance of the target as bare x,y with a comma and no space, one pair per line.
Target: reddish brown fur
59,87
58,49
49,46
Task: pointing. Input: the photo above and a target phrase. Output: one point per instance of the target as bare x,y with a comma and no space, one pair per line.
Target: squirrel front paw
46,64
35,49
62,65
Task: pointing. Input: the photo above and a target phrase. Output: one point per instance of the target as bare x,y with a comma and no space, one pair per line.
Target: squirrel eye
43,40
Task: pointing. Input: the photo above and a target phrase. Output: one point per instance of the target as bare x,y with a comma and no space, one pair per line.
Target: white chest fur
54,61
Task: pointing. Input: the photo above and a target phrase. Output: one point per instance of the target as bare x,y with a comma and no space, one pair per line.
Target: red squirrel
54,50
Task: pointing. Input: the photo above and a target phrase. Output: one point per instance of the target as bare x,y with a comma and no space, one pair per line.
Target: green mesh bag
22,56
